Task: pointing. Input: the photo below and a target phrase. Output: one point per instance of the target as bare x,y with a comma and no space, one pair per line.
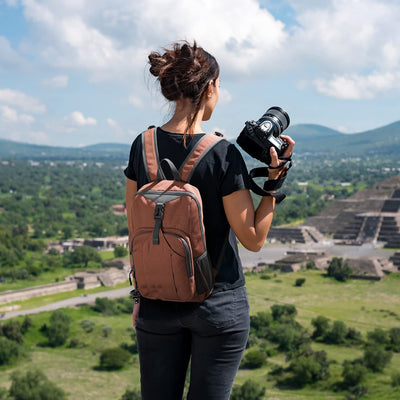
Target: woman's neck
181,118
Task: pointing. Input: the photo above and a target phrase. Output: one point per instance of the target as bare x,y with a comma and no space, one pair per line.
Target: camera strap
269,185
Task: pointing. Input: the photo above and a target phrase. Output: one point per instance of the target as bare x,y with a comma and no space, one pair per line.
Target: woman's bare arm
249,225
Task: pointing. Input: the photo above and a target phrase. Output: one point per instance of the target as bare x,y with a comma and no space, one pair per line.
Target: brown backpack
168,243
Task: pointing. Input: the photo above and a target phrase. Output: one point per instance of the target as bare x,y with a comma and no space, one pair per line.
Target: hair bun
157,62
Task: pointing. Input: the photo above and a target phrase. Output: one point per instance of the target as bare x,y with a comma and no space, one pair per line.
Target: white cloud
9,58
21,100
224,96
356,87
60,81
10,115
112,124
114,38
76,118
135,101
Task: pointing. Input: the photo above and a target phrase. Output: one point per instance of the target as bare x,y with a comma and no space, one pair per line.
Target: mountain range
310,140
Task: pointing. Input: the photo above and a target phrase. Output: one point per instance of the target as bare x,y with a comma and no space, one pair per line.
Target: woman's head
185,72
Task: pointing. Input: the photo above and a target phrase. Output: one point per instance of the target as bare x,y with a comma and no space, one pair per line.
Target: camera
257,137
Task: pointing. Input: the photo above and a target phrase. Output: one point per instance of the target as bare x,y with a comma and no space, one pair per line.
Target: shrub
260,322
283,312
57,331
396,379
337,334
339,270
300,282
378,336
376,358
131,394
254,358
9,351
26,324
288,336
114,358
354,336
106,331
120,251
250,390
353,373
394,335
321,326
265,276
34,385
105,306
12,331
310,265
87,325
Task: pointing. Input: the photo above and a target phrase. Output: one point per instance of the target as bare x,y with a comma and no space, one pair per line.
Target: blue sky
73,72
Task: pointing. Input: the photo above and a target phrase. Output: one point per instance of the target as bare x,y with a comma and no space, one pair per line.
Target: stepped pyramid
368,216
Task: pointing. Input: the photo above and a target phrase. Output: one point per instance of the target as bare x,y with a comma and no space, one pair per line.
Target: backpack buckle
158,216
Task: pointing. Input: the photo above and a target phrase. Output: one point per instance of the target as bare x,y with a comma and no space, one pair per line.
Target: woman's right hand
278,172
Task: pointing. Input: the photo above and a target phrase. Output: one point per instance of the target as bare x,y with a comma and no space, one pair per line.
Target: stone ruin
371,215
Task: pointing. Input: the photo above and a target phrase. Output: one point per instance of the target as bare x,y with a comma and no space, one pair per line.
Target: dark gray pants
213,338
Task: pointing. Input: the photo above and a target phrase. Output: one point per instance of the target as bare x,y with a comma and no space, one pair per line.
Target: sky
75,72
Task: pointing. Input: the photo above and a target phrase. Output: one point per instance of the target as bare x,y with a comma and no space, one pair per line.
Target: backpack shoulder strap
150,153
205,144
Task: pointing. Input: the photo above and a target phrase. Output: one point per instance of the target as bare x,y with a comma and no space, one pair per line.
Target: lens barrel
277,115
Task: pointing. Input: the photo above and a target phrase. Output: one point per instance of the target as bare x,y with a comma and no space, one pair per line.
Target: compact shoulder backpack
168,243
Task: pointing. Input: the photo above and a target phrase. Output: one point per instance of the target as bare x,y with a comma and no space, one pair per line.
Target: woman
211,334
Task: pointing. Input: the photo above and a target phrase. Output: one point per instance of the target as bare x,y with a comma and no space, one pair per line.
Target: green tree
283,313
337,334
376,358
34,385
81,257
353,373
114,358
321,327
300,282
106,306
309,368
253,358
250,390
120,251
9,351
12,331
339,270
378,336
58,330
394,335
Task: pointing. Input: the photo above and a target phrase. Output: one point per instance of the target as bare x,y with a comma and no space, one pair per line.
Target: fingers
274,157
289,150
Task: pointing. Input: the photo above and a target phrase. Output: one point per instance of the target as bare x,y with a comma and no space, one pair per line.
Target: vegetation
308,366
34,385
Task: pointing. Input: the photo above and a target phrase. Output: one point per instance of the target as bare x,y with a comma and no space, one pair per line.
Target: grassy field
363,305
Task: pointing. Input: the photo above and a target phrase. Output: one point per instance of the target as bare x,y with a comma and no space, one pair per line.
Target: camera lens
278,117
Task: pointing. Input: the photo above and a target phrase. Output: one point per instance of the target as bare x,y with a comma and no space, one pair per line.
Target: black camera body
257,137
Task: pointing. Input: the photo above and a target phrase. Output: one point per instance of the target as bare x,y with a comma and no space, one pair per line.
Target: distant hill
16,150
310,139
320,140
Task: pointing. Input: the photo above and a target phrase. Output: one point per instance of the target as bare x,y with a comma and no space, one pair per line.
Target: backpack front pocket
165,270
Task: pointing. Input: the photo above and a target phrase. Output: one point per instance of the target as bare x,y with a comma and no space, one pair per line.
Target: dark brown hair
184,71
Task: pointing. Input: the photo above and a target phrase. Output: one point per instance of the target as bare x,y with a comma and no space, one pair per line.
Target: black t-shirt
219,173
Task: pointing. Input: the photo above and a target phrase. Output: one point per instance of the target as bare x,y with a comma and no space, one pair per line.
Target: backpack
168,243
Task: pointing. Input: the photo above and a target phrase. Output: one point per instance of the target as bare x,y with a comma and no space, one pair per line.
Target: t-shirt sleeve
130,170
236,176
